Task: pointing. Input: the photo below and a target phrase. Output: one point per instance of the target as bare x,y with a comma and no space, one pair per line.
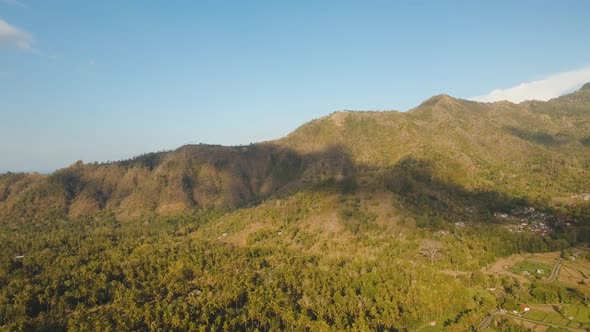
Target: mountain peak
440,98
441,101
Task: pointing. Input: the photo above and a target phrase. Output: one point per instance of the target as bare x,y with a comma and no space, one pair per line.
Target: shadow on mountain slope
538,137
192,177
204,177
434,202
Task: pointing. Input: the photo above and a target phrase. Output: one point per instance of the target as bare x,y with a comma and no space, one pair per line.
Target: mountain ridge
354,221
477,145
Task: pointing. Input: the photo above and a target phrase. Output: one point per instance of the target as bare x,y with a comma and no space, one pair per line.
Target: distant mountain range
443,155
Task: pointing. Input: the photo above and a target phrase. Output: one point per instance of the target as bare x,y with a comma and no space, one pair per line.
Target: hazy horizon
49,171
109,80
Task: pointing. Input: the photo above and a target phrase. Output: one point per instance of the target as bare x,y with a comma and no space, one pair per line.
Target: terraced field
575,273
547,317
525,267
571,317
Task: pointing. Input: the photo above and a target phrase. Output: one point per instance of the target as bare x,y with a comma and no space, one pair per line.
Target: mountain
537,151
359,221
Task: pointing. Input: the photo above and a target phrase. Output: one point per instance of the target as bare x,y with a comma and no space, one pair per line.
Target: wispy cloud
550,87
11,36
16,3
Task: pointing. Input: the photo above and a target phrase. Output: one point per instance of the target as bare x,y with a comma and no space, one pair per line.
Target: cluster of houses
528,219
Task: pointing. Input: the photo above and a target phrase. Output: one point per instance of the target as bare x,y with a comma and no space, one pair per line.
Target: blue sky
106,80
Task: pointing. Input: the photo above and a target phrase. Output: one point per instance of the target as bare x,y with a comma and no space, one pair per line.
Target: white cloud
550,87
11,36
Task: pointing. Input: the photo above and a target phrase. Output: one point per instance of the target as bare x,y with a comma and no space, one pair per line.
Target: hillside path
555,271
486,322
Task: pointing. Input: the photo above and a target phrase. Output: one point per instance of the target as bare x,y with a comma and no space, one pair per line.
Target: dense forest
184,273
358,221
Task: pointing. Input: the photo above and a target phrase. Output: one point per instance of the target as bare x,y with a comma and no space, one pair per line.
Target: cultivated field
524,267
575,273
568,316
547,317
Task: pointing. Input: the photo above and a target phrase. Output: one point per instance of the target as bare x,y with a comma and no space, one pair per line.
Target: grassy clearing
574,325
580,317
555,329
535,315
549,258
580,313
557,319
531,268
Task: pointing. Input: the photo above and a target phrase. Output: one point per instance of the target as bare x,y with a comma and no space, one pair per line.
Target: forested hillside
533,150
358,220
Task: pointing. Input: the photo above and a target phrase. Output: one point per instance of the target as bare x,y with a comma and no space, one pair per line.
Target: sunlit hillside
358,220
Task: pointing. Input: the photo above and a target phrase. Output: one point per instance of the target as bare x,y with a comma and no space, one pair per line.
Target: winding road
554,273
486,322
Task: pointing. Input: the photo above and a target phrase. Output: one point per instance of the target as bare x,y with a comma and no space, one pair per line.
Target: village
530,220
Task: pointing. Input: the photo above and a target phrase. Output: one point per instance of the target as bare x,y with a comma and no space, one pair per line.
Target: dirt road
555,271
